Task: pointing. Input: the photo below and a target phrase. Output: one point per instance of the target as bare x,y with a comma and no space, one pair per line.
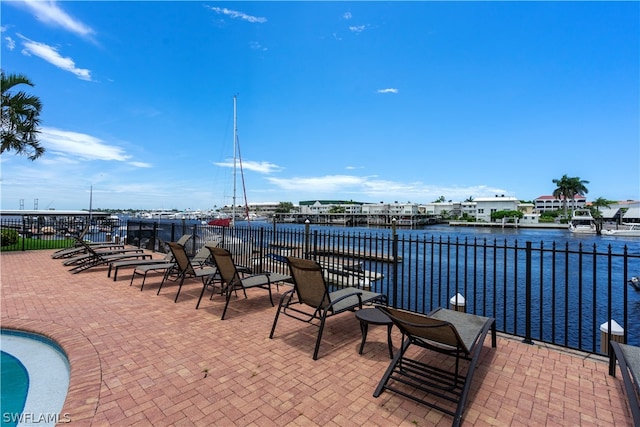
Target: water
14,387
35,379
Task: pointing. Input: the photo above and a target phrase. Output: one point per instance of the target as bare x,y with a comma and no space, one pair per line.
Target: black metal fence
574,297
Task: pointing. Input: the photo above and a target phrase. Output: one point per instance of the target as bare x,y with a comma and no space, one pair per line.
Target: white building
485,206
551,203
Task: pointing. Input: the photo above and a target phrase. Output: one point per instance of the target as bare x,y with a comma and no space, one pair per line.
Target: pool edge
85,376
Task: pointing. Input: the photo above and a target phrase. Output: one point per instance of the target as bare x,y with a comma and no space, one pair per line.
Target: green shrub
8,236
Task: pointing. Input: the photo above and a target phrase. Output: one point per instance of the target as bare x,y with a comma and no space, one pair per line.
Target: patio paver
141,359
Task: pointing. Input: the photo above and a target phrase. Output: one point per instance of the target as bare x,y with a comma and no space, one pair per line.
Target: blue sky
365,101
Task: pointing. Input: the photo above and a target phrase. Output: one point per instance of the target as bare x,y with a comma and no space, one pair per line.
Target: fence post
154,237
306,238
394,254
527,297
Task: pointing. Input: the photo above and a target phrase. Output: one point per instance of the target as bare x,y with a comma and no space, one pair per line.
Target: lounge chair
449,332
234,279
628,358
311,299
79,249
144,269
95,258
115,266
185,269
89,253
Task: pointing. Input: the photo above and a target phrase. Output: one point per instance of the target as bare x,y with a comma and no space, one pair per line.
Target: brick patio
141,359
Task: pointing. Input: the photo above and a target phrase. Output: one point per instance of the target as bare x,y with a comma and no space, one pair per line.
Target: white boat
629,230
582,222
255,217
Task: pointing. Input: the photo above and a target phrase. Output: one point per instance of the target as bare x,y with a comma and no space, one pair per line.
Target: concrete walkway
141,359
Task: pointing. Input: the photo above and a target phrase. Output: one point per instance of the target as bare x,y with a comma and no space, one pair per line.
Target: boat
220,222
253,217
582,222
629,230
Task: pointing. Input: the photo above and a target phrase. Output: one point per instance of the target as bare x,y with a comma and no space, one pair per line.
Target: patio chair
90,252
78,249
185,269
628,358
311,299
453,333
144,269
166,265
95,258
117,265
234,279
167,259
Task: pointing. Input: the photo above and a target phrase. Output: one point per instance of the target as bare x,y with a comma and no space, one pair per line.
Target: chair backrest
201,256
181,258
184,239
224,263
309,282
426,328
87,247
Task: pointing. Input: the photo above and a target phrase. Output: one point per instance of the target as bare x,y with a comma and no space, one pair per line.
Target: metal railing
571,296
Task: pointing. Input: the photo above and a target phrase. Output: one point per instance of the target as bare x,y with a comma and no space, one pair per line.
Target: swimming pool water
35,379
13,387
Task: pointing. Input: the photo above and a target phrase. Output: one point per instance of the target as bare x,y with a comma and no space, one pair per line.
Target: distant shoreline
551,226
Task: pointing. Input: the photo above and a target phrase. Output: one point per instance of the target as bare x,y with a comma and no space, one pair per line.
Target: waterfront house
551,203
485,206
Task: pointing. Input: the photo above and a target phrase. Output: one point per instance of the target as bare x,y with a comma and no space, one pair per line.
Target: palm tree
601,202
20,118
569,188
577,188
563,191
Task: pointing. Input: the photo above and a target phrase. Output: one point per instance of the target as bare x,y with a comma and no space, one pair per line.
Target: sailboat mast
235,157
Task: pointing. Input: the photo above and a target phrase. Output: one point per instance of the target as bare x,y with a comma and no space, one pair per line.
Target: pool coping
81,402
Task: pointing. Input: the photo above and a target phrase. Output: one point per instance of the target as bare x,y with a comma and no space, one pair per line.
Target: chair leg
179,287
270,297
398,357
143,279
204,287
315,352
285,297
226,304
166,275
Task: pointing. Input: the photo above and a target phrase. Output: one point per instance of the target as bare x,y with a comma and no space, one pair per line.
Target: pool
35,379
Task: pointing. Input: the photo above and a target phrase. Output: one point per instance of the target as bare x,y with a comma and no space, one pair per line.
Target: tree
440,199
601,202
20,118
569,188
562,191
577,188
284,207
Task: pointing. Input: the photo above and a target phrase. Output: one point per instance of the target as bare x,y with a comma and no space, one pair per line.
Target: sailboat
225,221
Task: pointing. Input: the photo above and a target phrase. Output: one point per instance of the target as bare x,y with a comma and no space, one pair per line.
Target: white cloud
388,90
261,167
72,145
140,164
11,44
257,46
357,28
50,13
376,188
347,15
52,56
237,15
